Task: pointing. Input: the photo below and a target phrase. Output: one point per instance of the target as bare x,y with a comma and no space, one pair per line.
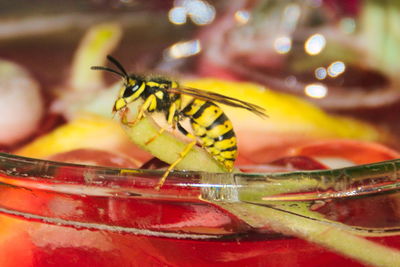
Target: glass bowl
57,213
75,215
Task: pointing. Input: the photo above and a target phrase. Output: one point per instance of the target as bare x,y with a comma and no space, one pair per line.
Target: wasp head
129,92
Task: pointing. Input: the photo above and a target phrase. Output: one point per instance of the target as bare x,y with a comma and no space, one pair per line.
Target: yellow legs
172,166
182,155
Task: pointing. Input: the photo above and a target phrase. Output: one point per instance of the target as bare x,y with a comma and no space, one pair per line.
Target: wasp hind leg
182,155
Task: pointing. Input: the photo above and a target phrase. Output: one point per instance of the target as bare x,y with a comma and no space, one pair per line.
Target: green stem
166,146
324,234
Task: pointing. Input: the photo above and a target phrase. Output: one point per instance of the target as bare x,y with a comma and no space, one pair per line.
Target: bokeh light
291,15
336,68
177,15
315,44
320,73
184,49
242,16
316,90
199,11
348,25
283,44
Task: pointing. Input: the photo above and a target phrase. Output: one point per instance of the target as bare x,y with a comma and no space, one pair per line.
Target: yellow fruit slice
291,119
286,113
86,131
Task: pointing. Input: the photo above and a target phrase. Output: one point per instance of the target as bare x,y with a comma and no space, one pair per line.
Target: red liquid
30,241
53,245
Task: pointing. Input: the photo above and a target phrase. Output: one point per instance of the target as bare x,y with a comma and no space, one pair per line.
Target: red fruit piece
299,163
359,152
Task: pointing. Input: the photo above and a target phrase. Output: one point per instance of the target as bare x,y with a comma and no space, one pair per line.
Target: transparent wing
214,97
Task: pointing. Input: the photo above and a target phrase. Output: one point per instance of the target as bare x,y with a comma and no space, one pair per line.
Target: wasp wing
215,97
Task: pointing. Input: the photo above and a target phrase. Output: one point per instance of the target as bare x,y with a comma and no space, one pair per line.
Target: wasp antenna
118,65
107,69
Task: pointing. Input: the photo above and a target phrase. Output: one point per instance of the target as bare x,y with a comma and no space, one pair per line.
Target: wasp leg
123,116
181,155
147,105
156,135
170,120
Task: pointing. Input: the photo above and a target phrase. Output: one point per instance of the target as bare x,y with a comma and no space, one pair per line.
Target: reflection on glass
336,68
177,15
242,16
348,25
184,49
291,16
315,44
291,81
283,44
316,90
314,3
200,12
320,73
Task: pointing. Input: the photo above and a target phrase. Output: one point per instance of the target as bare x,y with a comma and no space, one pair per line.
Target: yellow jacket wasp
210,126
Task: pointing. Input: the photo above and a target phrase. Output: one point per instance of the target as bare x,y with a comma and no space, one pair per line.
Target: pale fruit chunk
21,103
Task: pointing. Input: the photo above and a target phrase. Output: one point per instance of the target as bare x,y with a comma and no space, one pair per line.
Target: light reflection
348,25
315,44
283,44
242,16
291,81
315,3
336,68
184,49
177,15
320,73
316,90
291,15
199,11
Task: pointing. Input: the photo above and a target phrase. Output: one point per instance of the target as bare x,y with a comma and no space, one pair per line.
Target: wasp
210,126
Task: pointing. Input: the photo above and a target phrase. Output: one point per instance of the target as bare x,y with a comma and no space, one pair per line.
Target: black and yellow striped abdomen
214,129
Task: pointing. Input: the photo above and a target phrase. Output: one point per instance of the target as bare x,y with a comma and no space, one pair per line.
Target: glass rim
354,181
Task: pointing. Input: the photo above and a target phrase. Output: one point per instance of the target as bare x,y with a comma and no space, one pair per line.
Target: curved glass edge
229,187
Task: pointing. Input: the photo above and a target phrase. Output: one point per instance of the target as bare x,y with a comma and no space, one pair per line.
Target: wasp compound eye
130,90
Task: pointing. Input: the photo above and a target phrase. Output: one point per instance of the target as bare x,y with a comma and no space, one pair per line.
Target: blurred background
341,55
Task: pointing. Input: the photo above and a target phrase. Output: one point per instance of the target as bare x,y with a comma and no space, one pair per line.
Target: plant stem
321,233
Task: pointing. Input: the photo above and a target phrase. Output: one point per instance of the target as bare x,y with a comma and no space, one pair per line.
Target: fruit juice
54,213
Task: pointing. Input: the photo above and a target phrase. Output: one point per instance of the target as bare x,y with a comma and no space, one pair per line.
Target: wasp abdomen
214,129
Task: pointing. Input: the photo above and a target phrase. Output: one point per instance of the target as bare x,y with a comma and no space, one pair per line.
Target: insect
210,126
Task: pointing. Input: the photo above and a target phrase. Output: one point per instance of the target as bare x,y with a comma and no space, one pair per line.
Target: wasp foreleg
147,105
124,117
